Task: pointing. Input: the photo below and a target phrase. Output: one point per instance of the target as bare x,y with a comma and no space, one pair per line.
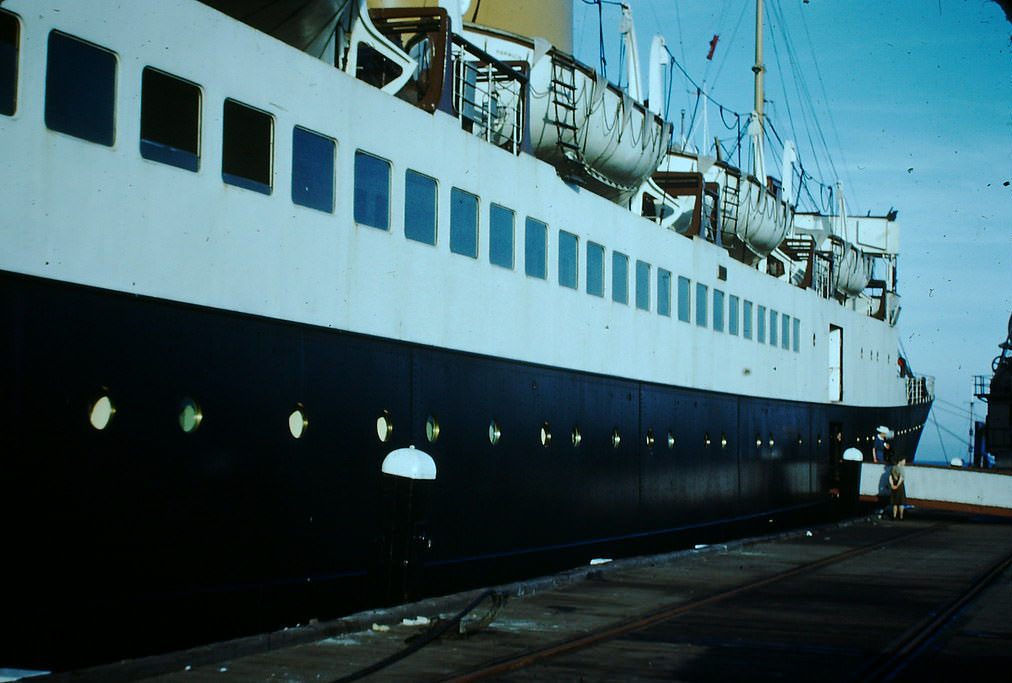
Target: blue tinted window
643,286
372,191
419,207
619,277
536,249
595,269
569,247
684,299
718,310
312,170
10,33
746,319
785,332
760,320
170,120
663,292
500,236
247,141
80,89
702,292
732,314
463,223
773,327
797,332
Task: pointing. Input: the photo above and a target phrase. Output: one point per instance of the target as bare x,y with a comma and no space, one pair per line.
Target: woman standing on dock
897,490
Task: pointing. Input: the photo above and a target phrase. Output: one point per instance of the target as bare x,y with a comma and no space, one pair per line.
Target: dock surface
926,598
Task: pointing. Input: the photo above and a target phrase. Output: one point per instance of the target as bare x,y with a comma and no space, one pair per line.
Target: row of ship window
80,94
191,416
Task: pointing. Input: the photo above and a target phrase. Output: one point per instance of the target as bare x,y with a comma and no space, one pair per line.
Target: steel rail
611,631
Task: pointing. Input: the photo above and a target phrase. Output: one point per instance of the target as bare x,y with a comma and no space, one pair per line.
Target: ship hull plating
140,536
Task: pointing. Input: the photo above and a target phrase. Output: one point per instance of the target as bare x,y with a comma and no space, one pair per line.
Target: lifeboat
851,268
594,133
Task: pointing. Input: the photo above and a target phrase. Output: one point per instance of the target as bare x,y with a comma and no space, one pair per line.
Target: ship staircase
818,264
730,203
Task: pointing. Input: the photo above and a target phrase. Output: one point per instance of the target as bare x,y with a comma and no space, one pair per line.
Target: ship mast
756,124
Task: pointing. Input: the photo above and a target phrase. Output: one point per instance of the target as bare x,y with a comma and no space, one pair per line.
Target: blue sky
914,101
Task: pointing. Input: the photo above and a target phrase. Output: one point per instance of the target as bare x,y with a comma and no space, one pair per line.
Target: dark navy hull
141,537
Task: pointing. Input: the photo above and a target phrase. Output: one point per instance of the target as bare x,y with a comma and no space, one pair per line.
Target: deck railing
920,389
488,95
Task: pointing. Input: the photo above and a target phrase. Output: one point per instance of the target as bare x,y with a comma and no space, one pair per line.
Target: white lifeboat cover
409,463
851,455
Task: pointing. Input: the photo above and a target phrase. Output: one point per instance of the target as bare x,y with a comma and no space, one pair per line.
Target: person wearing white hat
880,445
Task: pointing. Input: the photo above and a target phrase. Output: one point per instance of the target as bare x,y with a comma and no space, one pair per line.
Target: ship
992,438
311,306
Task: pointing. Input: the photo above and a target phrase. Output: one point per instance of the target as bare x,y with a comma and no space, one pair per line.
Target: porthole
493,432
431,429
723,440
297,422
616,438
101,412
800,441
671,441
758,441
818,439
706,439
545,435
190,415
576,436
384,426
650,438
772,442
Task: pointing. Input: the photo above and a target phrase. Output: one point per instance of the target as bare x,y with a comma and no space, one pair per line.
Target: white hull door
835,363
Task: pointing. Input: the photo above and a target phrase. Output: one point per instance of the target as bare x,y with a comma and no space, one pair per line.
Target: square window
246,147
642,286
619,277
419,207
664,292
595,269
500,236
569,246
760,319
170,120
10,39
718,310
684,299
746,319
536,249
732,314
702,292
313,170
463,223
80,89
372,191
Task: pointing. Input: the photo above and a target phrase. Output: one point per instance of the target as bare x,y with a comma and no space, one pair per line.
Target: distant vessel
312,306
994,437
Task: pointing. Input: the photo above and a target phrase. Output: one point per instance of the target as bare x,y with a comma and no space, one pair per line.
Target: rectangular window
500,236
702,292
595,269
619,277
718,310
419,207
536,249
642,286
785,331
663,292
746,319
170,120
773,327
732,314
80,89
10,39
684,300
246,146
372,191
569,247
313,169
463,223
797,333
760,319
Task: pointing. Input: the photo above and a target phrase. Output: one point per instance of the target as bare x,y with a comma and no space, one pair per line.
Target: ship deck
868,599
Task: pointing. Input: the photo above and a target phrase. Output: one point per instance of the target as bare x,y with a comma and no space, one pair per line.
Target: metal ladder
564,106
730,204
